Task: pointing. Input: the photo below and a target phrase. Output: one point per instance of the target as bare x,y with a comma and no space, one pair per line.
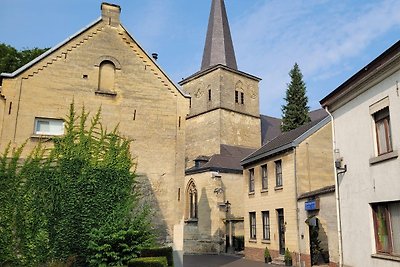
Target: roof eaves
214,67
48,52
249,159
363,73
311,131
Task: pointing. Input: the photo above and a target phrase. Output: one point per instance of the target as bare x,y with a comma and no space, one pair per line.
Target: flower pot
267,259
288,262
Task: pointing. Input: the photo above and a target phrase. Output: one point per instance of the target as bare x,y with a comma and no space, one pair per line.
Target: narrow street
221,261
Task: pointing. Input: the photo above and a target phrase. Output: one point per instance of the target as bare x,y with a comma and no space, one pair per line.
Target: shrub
158,252
148,262
267,255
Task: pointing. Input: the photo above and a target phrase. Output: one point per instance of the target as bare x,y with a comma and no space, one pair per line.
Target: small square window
45,126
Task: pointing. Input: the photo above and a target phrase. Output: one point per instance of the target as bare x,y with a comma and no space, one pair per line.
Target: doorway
281,231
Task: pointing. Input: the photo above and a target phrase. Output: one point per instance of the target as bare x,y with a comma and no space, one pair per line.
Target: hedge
148,262
159,252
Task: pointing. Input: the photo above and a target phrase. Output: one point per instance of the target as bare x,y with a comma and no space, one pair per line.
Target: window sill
266,241
264,191
43,136
192,220
252,240
278,188
386,257
383,157
106,93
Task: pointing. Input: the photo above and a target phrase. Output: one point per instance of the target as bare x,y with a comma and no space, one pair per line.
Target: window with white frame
264,177
251,180
266,225
45,126
386,216
252,218
278,173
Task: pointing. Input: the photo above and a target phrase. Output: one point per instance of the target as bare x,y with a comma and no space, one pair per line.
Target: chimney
110,14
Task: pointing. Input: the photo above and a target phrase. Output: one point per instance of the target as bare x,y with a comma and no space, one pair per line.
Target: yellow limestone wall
147,106
221,120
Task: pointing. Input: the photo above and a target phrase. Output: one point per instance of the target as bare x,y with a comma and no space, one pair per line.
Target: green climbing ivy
54,201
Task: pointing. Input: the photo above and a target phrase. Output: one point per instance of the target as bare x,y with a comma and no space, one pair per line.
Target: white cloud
322,36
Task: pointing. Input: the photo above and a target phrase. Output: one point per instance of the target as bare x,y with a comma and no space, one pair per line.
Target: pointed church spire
219,47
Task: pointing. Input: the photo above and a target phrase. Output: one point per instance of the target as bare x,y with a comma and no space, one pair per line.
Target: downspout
337,195
297,208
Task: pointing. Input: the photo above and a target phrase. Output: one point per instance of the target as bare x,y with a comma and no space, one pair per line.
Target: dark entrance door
281,227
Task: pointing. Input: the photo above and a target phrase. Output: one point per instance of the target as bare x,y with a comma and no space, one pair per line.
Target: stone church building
189,138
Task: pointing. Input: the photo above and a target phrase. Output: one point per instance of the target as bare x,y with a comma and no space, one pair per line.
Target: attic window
106,76
200,161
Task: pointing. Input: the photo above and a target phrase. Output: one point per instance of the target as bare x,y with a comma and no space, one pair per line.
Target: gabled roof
228,161
50,51
219,66
286,141
218,48
271,126
379,66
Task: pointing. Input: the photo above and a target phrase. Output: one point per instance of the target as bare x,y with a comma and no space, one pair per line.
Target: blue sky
330,40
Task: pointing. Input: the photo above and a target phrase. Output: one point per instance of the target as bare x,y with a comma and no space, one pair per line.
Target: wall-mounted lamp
227,205
338,163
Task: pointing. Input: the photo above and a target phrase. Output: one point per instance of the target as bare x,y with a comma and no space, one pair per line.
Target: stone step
280,260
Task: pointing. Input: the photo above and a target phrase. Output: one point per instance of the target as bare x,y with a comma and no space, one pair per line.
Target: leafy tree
65,201
295,111
11,59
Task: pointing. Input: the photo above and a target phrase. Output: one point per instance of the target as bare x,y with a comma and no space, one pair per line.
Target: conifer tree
295,111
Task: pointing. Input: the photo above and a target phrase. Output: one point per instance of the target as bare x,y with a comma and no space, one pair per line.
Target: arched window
106,76
191,196
239,93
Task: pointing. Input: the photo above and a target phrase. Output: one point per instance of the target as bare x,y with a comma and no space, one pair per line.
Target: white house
366,129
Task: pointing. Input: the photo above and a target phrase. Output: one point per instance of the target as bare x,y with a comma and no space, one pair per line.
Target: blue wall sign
312,205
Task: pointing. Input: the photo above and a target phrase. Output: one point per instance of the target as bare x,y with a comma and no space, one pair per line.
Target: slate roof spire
218,48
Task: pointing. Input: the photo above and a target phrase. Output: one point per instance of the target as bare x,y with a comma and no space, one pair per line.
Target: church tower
225,101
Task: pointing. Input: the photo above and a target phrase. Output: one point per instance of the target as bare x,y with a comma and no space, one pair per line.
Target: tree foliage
60,202
295,111
11,59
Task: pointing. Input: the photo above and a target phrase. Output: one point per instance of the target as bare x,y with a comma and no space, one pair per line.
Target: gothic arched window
106,76
191,197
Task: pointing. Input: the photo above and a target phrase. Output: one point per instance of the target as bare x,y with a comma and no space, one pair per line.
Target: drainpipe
297,208
337,195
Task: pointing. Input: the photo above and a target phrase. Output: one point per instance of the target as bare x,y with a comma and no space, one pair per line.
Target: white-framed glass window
266,225
252,219
45,126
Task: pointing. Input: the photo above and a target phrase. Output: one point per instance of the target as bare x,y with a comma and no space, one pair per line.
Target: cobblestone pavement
221,261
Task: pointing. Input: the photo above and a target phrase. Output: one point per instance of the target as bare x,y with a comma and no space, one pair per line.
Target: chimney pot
155,56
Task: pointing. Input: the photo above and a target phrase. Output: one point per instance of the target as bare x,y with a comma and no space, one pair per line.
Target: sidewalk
221,261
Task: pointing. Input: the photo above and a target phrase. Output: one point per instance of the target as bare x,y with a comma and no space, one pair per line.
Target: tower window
209,94
242,98
236,96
